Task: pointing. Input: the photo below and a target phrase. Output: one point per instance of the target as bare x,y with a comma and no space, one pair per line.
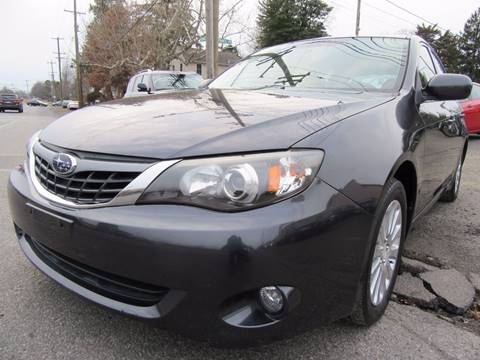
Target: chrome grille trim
85,187
128,195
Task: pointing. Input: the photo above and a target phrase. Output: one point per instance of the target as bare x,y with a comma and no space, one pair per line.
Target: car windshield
8,96
352,64
175,81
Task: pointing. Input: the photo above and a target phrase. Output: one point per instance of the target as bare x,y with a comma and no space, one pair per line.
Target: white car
160,81
73,105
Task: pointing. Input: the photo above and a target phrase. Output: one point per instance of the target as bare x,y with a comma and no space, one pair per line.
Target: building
197,62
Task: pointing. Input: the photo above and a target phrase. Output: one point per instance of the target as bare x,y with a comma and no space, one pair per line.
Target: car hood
196,123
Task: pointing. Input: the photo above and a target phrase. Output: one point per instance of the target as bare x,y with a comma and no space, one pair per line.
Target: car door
471,108
443,130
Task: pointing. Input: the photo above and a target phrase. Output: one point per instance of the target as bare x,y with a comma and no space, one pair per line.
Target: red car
471,108
10,102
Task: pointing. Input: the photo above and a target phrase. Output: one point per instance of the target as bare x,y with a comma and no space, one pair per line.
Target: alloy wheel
386,253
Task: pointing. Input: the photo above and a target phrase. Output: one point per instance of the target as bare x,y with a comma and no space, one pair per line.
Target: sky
28,26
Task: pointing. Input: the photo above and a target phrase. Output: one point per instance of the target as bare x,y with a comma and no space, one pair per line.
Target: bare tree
129,37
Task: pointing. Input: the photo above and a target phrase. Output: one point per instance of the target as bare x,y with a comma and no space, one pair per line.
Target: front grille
84,187
112,286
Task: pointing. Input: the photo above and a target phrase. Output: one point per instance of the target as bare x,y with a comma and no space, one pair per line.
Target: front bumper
209,263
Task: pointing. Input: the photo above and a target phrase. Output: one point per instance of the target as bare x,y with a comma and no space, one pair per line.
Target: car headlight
233,183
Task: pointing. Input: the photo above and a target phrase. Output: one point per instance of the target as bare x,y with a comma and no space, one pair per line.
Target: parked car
57,103
65,104
37,102
11,102
73,105
155,82
275,199
471,108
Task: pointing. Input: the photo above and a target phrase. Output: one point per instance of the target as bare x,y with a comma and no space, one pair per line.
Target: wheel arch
406,173
465,149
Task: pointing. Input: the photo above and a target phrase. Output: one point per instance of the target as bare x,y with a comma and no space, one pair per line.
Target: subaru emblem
64,164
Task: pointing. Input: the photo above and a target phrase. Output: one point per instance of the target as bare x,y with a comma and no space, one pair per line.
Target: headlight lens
233,183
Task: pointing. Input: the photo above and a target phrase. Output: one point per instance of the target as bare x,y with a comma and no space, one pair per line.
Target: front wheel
384,256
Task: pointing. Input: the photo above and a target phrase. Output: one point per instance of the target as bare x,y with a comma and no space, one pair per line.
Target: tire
451,193
369,305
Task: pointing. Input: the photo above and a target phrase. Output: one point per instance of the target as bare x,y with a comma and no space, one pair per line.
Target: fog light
271,298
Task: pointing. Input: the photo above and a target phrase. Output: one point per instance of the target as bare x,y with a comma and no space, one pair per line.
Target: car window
175,81
358,64
475,94
426,69
8,96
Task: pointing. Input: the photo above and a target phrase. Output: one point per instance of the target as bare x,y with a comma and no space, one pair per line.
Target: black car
274,200
36,102
11,102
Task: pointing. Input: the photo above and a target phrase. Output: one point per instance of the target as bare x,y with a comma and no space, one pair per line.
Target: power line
368,15
390,14
413,14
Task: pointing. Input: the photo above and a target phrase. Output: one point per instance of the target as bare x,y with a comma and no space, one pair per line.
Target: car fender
363,152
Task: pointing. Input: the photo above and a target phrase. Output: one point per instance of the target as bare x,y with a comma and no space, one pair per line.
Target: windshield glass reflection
348,64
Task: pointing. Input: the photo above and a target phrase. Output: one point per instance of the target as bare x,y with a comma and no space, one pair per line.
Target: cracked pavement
40,319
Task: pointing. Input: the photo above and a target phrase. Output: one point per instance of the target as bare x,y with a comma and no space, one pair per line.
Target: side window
426,69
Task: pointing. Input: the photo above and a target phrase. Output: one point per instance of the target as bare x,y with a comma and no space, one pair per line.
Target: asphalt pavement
41,320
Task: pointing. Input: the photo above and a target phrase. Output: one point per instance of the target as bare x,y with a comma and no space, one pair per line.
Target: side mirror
204,83
142,87
449,87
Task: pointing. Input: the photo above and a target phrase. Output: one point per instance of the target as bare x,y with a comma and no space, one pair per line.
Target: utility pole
357,26
212,14
77,53
28,86
59,65
53,81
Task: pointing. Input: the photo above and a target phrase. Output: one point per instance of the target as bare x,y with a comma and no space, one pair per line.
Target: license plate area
51,223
